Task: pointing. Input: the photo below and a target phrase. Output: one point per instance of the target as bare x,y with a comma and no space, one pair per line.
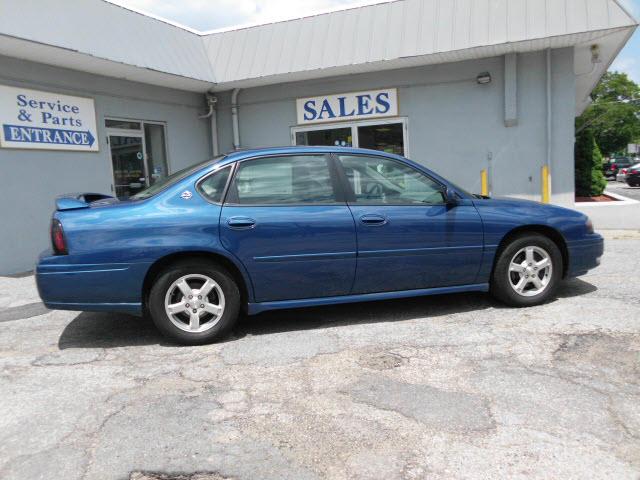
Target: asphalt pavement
451,386
623,189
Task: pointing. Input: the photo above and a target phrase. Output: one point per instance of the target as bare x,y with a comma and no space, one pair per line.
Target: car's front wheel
527,271
194,303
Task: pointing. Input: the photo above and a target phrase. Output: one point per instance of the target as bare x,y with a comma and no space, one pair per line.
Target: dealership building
95,97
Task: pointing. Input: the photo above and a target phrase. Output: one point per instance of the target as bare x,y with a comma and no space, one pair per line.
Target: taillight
57,238
624,171
633,172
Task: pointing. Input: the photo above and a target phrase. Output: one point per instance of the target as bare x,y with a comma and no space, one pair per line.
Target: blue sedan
293,227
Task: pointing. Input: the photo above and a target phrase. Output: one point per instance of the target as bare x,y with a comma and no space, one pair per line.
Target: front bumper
64,285
584,254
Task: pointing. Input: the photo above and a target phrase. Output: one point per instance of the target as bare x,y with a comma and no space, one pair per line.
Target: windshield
173,178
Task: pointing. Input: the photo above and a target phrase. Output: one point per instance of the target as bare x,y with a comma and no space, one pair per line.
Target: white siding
107,31
98,36
403,29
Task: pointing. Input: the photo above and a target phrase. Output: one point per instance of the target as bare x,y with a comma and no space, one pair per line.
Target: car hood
528,207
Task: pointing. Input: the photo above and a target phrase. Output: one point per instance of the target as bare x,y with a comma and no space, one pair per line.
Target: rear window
172,179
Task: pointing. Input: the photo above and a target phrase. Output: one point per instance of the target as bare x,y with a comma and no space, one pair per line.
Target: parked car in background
612,167
621,176
289,227
633,176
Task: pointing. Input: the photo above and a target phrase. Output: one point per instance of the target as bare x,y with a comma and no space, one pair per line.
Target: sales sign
348,106
46,121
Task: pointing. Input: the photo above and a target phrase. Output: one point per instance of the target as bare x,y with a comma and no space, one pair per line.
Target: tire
505,282
216,312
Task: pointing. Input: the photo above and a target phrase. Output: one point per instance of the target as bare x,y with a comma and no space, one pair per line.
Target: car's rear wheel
527,271
194,303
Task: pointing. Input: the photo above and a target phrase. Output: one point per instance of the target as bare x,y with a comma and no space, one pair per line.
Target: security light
483,78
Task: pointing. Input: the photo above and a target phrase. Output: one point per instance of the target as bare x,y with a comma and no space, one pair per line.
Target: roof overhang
102,38
75,60
610,42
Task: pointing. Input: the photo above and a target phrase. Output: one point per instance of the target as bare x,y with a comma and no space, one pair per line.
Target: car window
212,187
295,179
172,179
379,180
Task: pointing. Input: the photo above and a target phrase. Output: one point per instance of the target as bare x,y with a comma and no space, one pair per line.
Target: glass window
172,179
122,124
339,137
128,165
283,180
156,152
386,138
381,181
212,187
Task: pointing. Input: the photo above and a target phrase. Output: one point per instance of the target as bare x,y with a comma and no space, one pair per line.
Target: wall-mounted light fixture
483,78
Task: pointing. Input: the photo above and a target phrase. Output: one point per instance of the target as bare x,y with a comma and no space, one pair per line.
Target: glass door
129,170
138,154
390,135
339,137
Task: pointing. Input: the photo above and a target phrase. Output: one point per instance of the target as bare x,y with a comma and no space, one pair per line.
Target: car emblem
186,195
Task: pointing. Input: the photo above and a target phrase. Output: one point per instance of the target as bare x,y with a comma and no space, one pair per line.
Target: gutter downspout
546,176
234,118
213,120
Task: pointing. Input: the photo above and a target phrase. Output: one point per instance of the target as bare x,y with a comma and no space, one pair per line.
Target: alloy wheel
530,271
194,303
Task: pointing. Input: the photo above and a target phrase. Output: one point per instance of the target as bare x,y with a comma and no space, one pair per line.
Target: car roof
236,155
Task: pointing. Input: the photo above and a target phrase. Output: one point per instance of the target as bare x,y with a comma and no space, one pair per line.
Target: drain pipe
546,174
213,120
234,118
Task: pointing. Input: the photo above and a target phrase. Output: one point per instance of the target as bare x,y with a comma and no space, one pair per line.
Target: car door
285,220
408,237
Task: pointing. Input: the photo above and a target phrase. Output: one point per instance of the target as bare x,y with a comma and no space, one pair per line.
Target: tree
614,116
590,181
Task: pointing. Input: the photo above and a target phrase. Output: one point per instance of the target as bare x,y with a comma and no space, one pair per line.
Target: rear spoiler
74,201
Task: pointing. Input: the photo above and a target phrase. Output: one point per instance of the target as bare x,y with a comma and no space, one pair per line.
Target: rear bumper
64,285
584,254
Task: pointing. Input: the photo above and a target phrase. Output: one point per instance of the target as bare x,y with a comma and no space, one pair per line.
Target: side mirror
450,196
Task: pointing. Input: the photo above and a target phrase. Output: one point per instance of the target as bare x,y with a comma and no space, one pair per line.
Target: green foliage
614,115
590,181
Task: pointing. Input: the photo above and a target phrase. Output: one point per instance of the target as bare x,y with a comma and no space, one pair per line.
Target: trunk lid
75,201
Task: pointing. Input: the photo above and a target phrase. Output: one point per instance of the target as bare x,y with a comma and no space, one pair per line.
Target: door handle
373,220
241,223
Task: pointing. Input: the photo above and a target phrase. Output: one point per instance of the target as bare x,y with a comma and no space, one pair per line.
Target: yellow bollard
546,190
484,183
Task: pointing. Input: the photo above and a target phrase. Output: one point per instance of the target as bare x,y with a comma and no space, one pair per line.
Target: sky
205,15
629,59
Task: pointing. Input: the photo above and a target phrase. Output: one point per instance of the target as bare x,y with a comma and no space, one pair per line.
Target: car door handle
241,223
373,220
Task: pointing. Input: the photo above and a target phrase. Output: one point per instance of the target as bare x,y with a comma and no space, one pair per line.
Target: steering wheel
373,189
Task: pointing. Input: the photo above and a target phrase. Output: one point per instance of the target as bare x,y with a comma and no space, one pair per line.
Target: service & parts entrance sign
46,121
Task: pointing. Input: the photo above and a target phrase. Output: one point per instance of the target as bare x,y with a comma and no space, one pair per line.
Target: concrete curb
622,201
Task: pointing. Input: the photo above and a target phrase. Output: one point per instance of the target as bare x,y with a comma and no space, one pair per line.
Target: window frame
353,125
230,197
130,132
351,195
204,178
